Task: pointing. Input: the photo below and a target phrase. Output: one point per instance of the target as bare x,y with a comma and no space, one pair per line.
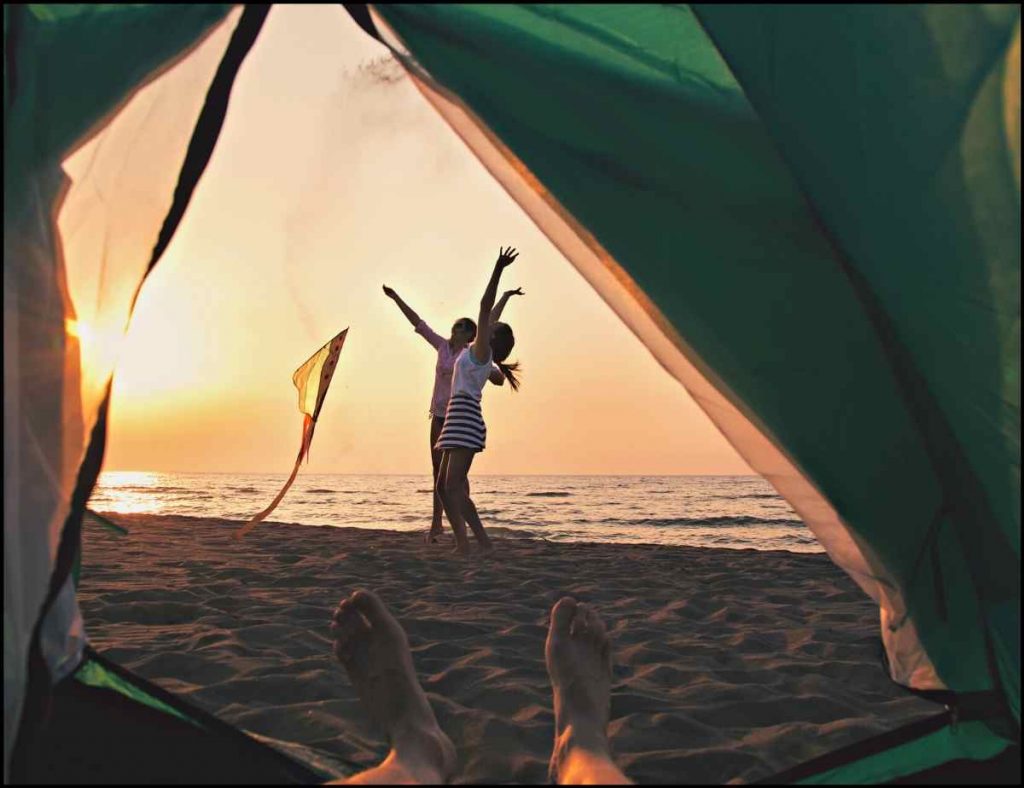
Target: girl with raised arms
464,433
463,332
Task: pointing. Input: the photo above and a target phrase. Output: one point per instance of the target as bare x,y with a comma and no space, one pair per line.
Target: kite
312,380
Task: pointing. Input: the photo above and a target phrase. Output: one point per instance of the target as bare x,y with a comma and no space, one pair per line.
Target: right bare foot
578,656
373,648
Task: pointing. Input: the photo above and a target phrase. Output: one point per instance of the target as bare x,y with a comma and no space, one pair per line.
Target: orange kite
312,380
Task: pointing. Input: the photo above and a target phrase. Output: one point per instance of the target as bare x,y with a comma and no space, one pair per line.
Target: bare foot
433,536
373,648
578,656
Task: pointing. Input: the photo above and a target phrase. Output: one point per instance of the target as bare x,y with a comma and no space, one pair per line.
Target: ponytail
502,342
509,371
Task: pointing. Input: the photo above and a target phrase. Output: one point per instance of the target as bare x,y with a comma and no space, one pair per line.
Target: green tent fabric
810,215
823,203
57,91
125,85
110,727
68,72
914,179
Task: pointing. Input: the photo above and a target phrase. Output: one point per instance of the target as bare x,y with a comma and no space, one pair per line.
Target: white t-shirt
470,376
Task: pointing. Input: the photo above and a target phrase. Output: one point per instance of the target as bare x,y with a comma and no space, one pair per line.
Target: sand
729,665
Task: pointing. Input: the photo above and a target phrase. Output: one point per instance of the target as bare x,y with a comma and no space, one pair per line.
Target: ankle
421,748
403,767
575,739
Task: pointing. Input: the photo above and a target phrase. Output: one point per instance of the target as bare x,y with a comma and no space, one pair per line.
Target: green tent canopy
810,215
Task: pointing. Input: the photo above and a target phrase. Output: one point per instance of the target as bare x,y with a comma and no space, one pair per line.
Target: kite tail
307,436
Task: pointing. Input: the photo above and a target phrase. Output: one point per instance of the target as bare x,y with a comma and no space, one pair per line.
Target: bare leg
471,517
436,527
456,493
578,657
452,508
375,652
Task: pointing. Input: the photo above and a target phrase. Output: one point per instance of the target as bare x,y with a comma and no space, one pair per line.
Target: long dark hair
502,342
472,326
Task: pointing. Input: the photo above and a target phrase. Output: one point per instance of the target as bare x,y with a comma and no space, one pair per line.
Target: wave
552,494
517,533
705,521
761,496
328,491
516,521
243,489
490,517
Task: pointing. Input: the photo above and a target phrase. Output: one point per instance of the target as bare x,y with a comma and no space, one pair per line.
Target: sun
99,347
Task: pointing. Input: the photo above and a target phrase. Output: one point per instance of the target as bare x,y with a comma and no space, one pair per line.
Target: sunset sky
329,180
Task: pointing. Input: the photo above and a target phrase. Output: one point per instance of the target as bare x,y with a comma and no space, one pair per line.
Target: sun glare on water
131,492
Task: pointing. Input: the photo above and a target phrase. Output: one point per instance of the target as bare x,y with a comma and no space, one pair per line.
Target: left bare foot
433,537
373,648
578,657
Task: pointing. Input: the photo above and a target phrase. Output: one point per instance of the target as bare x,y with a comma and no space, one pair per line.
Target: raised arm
496,312
481,348
411,316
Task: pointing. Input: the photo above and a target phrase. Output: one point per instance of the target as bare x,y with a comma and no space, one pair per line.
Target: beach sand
729,665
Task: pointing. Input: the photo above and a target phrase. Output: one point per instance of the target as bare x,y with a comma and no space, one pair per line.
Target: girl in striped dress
464,432
463,332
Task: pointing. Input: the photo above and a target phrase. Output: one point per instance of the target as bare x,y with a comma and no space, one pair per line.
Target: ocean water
703,511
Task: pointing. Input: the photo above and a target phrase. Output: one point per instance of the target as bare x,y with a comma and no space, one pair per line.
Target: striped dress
464,426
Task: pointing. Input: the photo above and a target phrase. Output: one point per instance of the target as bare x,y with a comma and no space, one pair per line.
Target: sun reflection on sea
131,492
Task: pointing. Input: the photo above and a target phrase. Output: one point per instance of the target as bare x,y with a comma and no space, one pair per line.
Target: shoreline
501,535
729,664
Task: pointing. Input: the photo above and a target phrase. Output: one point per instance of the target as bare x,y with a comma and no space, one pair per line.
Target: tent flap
810,215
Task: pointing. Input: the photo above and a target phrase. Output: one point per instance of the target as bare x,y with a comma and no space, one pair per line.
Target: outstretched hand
506,256
517,291
389,292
